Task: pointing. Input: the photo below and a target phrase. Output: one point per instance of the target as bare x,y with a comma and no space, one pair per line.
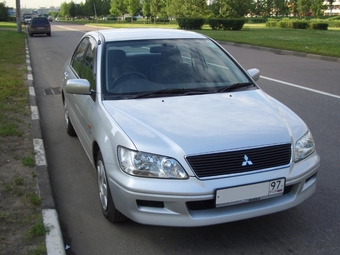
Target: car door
82,67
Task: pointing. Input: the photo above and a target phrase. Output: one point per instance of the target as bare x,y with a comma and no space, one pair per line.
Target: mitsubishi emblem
246,161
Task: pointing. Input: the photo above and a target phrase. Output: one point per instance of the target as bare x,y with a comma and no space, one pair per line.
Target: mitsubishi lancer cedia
179,133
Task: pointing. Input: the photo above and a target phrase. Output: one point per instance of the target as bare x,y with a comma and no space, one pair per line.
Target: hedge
226,24
319,26
190,23
300,24
334,23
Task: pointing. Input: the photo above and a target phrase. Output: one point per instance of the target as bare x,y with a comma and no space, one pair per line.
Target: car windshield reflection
151,68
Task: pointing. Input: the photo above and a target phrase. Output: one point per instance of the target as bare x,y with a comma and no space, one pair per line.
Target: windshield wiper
235,86
172,92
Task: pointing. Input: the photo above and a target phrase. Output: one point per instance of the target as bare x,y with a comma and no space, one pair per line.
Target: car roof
127,34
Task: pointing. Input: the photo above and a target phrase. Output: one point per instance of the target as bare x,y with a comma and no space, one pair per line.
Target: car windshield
151,68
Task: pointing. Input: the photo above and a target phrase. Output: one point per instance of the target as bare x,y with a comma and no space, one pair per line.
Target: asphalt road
310,228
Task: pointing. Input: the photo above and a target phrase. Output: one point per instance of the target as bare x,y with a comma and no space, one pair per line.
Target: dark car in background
39,25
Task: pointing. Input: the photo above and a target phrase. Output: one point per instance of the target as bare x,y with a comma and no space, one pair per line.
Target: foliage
118,7
3,12
190,23
146,8
185,8
303,7
132,7
299,24
89,8
319,26
334,23
317,7
256,20
168,9
231,8
155,8
226,24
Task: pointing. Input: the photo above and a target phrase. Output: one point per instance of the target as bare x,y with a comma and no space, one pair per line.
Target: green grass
326,43
318,42
20,205
13,93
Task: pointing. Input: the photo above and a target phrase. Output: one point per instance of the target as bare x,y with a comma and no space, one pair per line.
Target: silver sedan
179,133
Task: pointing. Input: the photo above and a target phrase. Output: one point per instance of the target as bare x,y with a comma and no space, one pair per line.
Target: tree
280,7
155,8
258,7
146,9
3,12
64,10
317,7
176,8
234,8
187,8
293,7
132,7
118,7
72,9
303,7
239,8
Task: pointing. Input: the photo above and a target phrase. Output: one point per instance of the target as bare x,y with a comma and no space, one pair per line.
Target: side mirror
254,73
78,86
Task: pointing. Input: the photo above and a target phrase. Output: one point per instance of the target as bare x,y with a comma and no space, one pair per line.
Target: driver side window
78,56
83,60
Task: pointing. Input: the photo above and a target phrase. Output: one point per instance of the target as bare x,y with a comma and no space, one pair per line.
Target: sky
35,3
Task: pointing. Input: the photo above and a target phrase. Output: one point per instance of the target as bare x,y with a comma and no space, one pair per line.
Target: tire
30,34
69,127
49,34
108,208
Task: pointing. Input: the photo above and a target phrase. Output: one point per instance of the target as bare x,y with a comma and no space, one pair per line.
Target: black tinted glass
40,22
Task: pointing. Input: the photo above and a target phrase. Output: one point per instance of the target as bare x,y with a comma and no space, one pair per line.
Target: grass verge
21,227
319,42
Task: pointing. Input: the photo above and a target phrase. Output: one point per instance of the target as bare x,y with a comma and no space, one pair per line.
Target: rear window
40,21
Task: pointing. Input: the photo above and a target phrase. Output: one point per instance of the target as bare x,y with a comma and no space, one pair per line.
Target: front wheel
108,208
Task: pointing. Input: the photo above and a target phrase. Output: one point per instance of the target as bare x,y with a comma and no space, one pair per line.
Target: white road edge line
301,87
40,159
67,28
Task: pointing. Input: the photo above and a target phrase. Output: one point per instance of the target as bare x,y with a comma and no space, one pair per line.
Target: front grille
241,161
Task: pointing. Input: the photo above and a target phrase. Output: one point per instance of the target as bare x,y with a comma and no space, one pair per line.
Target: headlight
149,165
304,147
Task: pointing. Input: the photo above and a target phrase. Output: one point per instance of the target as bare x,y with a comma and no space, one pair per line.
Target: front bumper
189,203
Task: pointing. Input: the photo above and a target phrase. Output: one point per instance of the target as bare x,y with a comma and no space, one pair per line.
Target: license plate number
250,193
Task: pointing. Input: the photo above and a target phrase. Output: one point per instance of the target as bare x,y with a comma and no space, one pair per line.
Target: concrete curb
53,240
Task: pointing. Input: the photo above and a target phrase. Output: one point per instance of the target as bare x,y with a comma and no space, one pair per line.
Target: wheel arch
95,150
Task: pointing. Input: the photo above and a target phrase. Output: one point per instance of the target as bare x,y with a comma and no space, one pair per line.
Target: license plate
41,27
250,193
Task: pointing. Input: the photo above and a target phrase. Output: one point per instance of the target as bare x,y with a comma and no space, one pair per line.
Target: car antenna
96,17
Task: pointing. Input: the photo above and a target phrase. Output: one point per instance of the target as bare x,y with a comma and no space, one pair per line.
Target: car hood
200,124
